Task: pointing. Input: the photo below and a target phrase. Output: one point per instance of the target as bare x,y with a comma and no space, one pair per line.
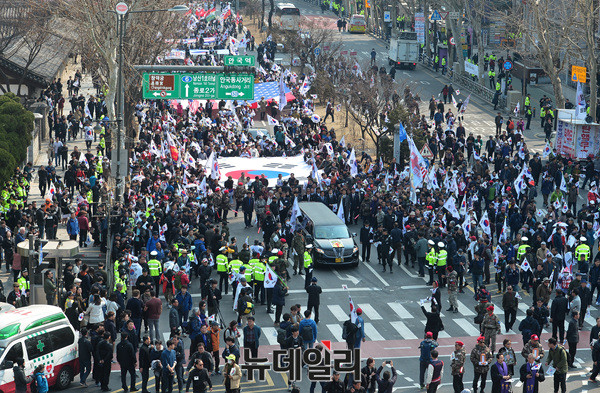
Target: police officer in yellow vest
308,265
441,260
234,267
498,86
492,76
23,281
436,63
443,66
120,284
258,269
522,250
223,269
582,254
431,258
542,116
527,101
155,268
528,116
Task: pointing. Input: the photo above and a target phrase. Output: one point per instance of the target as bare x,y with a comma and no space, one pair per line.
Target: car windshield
331,232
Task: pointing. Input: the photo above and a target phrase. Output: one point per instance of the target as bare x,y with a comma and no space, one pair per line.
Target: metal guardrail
467,83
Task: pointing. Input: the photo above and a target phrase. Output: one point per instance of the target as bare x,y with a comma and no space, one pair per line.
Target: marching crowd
471,214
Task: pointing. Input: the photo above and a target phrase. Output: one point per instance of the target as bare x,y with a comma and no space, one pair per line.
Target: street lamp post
122,10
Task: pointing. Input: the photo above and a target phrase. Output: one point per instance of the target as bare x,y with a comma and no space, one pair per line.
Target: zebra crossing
404,321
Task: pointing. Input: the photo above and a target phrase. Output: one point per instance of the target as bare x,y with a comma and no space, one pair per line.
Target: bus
357,24
287,16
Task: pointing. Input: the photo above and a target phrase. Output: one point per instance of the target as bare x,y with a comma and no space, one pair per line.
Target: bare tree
582,38
146,37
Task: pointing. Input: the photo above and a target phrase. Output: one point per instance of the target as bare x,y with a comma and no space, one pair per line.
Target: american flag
269,90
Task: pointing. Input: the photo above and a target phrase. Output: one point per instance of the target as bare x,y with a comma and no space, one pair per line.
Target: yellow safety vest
222,263
23,284
235,265
521,251
307,260
248,273
431,257
582,252
441,257
527,101
155,267
272,259
259,271
119,280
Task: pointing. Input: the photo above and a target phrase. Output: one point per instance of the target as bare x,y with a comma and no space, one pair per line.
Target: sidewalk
86,89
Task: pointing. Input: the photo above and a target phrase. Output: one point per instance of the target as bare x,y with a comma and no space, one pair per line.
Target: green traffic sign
240,61
200,86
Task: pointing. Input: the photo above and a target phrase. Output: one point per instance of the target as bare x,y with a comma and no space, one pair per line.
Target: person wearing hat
308,264
366,239
223,269
458,366
421,249
23,281
336,385
582,255
49,287
490,327
522,250
441,261
480,358
426,346
299,247
431,258
452,289
232,374
534,347
14,296
314,297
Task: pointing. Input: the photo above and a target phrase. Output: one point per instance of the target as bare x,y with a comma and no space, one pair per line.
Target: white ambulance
40,335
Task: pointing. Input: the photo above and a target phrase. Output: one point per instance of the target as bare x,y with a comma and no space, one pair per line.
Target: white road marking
271,335
336,331
467,326
464,310
372,333
376,274
370,312
403,330
338,312
400,310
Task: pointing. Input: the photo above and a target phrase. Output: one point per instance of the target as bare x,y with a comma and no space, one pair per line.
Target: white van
40,335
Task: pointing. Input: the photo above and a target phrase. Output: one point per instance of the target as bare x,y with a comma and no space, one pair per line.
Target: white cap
431,242
440,244
582,239
153,253
524,238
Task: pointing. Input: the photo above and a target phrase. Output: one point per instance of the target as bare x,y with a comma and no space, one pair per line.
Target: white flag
450,205
484,223
343,141
580,112
563,183
340,211
282,99
272,121
352,164
270,277
295,214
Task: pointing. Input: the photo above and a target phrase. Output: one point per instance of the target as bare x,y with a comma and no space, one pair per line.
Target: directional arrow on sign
163,94
187,89
235,94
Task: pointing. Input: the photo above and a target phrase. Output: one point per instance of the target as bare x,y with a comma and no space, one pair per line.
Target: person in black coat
314,297
21,381
126,359
529,326
335,385
86,352
278,300
558,313
434,323
366,238
386,382
145,362
199,378
104,353
526,373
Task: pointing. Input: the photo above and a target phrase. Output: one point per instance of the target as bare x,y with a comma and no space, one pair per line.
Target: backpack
156,366
33,385
249,308
281,335
307,333
349,330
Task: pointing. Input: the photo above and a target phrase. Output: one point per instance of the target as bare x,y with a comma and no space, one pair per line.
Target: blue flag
402,132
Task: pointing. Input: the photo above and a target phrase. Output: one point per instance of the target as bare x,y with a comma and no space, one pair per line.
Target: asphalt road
394,323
